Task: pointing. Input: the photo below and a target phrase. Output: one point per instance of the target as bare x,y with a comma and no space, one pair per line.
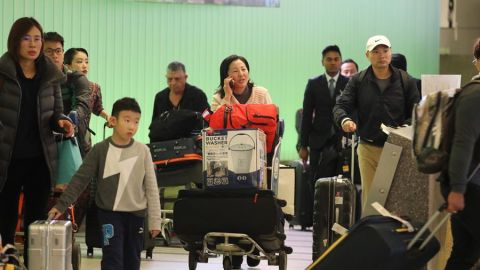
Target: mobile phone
231,84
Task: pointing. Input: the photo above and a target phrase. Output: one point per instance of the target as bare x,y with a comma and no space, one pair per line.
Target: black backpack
174,124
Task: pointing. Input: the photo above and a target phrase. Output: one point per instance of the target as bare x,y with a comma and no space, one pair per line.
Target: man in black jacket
381,94
319,136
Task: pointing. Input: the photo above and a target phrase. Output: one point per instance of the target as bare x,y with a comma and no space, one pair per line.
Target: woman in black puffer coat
30,110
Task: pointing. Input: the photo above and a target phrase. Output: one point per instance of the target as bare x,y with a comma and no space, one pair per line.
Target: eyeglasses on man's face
54,51
475,61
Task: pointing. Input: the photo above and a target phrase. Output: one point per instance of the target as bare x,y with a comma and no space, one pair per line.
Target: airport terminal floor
176,258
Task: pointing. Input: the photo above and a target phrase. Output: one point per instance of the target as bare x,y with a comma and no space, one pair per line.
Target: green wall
130,43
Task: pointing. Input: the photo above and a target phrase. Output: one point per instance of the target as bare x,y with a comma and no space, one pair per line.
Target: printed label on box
234,158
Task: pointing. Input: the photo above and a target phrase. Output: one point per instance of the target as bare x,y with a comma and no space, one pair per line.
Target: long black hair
224,72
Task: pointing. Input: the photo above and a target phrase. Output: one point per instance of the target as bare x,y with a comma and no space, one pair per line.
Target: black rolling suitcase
382,243
334,203
303,210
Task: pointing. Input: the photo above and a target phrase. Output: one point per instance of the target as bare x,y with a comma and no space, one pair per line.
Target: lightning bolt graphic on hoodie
125,180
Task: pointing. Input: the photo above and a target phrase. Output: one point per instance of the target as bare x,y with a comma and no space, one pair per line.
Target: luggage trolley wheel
167,240
76,257
227,263
192,260
149,253
282,260
89,251
253,262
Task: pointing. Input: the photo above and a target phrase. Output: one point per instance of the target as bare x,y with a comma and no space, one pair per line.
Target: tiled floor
176,258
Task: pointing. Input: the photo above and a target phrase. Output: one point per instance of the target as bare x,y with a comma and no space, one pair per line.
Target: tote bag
69,160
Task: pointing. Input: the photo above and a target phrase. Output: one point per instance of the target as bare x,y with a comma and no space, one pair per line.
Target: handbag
69,160
238,116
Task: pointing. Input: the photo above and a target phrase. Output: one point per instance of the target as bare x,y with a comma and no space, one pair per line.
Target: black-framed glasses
54,51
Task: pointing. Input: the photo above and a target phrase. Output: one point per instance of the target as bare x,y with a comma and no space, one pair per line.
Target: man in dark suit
319,136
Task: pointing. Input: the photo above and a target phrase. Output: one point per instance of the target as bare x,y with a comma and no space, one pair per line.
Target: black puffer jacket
50,109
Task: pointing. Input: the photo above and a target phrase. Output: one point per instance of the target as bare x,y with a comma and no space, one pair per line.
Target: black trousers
32,177
123,236
466,232
323,163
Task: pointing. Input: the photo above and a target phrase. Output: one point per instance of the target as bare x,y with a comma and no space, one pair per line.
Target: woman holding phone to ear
235,86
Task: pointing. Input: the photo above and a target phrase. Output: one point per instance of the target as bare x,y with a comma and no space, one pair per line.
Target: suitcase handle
427,224
352,159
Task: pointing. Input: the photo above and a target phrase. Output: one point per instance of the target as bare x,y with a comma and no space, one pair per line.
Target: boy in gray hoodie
126,189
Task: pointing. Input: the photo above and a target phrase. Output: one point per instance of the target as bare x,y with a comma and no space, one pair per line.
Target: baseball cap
377,40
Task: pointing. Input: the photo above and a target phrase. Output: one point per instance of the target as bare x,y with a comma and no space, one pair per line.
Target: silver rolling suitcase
50,245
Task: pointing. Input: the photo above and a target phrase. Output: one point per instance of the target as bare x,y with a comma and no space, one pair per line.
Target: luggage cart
237,238
218,223
235,244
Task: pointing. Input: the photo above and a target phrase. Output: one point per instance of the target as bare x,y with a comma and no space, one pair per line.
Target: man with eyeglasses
381,94
75,91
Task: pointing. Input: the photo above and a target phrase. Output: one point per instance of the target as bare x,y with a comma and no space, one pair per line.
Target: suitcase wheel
192,260
89,251
76,257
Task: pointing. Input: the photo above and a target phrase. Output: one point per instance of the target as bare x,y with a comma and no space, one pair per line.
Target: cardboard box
234,158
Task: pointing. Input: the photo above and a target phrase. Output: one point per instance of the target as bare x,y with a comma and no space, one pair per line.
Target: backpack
433,123
174,124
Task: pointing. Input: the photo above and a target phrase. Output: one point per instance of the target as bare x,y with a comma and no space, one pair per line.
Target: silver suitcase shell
50,245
